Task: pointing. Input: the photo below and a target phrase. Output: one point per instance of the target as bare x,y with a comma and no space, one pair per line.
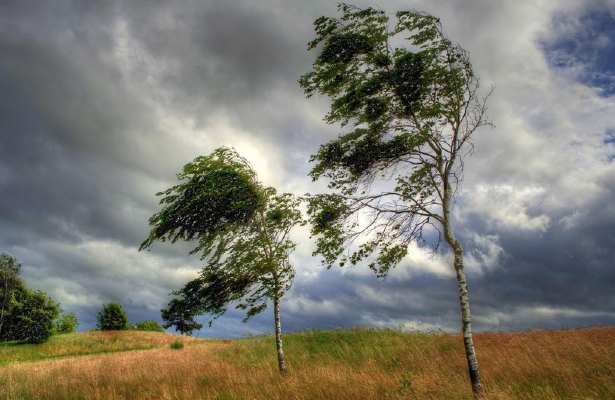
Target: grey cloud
102,102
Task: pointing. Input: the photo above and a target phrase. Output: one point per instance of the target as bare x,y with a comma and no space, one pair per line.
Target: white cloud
507,206
422,260
405,325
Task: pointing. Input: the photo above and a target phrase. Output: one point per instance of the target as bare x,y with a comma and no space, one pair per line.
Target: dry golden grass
355,364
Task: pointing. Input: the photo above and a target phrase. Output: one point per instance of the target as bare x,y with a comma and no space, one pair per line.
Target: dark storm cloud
102,102
237,59
586,46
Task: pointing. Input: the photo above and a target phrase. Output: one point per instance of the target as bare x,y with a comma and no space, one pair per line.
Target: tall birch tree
410,101
242,230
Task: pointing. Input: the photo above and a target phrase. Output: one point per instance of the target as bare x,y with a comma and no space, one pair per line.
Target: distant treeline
32,316
27,315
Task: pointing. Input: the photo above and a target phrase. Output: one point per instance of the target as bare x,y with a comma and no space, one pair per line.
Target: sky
102,102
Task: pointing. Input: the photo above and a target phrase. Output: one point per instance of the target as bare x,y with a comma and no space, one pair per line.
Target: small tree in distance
112,318
180,315
413,111
242,230
66,323
149,325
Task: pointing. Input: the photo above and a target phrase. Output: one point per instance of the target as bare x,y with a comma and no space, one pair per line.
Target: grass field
76,344
349,364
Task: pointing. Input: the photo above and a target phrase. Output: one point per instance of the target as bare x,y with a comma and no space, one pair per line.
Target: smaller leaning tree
413,110
242,231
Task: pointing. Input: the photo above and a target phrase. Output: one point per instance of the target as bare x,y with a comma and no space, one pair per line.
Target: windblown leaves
408,95
241,230
218,193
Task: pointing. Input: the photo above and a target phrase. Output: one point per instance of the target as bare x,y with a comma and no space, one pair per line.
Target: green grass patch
76,344
354,346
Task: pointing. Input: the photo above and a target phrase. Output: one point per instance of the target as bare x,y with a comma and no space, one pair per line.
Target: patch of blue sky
583,46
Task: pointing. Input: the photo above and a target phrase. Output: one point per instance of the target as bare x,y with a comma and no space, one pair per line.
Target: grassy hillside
351,364
75,344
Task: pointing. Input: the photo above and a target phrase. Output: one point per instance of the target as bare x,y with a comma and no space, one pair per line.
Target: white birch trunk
466,322
464,298
278,336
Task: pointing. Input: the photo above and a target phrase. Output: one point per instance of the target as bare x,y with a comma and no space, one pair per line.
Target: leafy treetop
255,266
242,232
217,195
410,109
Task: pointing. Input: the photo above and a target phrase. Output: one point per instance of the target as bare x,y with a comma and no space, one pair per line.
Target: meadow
342,364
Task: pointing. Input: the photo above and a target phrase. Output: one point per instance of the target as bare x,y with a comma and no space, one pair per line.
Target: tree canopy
25,315
112,317
410,109
255,265
66,323
217,196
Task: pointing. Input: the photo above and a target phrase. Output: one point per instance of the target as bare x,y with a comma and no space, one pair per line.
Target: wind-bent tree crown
254,267
411,109
217,195
242,229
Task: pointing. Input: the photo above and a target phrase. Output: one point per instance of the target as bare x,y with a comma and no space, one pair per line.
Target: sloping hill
348,364
76,344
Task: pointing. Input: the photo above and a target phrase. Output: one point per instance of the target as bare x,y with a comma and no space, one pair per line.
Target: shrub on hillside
176,345
32,316
148,325
66,323
112,318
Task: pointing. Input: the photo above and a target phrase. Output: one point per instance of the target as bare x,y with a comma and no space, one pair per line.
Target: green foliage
410,109
255,266
242,229
10,285
218,194
180,314
176,345
149,325
31,320
26,315
66,323
112,318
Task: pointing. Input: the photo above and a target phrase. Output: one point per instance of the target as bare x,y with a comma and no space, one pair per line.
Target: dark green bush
32,316
112,318
148,325
27,315
176,345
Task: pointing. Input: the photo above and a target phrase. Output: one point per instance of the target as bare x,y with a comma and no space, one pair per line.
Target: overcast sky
102,102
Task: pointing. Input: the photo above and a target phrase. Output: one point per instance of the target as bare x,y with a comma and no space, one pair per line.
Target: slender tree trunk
466,322
5,296
464,299
278,336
